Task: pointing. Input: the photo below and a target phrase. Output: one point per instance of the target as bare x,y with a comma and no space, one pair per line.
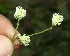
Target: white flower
57,19
25,39
20,13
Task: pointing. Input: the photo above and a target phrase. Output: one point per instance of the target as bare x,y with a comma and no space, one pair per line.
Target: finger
6,47
6,27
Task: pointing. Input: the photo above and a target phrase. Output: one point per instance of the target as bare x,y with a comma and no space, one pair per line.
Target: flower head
24,39
20,13
57,19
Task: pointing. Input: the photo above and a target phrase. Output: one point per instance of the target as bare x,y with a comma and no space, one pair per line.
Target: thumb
6,47
6,27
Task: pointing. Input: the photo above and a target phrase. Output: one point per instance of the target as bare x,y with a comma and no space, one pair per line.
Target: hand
6,33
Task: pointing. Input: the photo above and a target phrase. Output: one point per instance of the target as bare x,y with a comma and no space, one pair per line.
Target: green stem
17,25
16,28
41,32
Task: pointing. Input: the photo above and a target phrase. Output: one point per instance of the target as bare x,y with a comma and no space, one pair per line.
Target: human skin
6,33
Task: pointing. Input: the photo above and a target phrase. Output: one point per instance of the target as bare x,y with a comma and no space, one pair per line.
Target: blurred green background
55,42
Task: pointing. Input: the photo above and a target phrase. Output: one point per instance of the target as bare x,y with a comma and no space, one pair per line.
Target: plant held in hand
21,13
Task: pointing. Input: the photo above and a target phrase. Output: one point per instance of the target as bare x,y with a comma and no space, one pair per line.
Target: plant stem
17,25
16,29
41,32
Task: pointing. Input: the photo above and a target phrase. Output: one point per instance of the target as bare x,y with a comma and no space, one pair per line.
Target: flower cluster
20,13
24,39
57,19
